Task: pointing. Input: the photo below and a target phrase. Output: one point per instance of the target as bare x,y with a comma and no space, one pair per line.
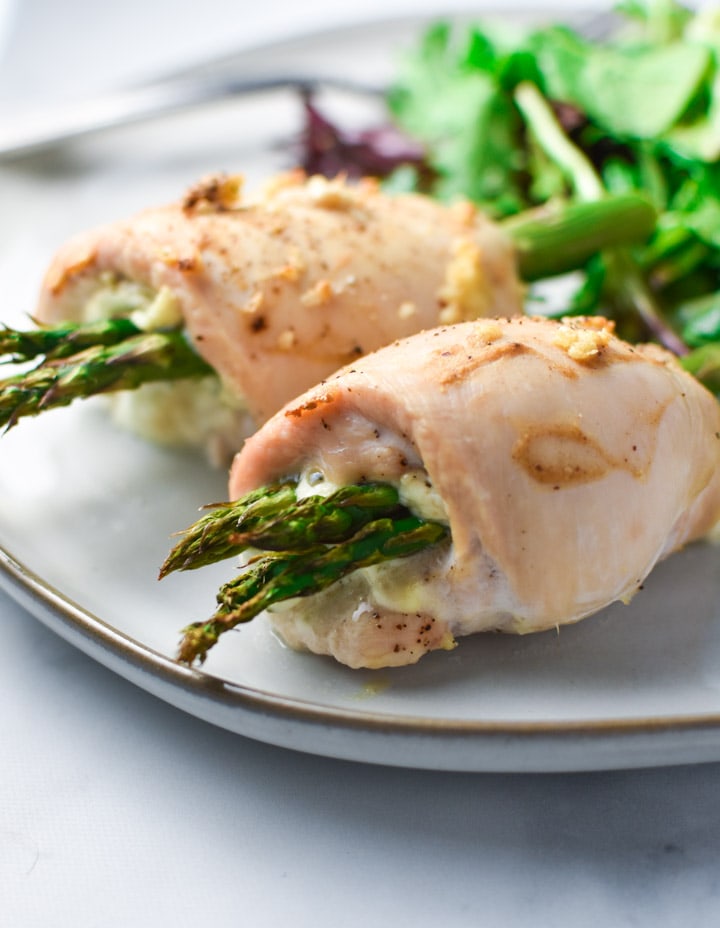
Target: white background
82,45
117,810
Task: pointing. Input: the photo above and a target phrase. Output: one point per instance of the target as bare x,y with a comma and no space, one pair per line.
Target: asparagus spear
312,543
210,539
272,519
63,340
136,360
286,575
555,239
626,284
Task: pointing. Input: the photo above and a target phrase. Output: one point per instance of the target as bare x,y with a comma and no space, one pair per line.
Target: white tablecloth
118,810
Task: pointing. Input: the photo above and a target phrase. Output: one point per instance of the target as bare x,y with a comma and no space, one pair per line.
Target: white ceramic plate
88,511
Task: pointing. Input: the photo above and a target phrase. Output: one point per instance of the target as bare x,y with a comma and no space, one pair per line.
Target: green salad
521,119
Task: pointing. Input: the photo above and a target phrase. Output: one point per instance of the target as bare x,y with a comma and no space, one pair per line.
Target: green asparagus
272,519
63,340
144,358
298,547
286,575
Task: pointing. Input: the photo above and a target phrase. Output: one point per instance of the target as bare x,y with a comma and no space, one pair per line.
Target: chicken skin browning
565,461
279,292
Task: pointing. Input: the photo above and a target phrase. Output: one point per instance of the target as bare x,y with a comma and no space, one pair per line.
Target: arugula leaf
699,320
446,96
641,93
561,56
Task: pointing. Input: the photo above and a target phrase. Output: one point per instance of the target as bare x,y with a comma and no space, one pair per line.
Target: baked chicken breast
278,292
565,462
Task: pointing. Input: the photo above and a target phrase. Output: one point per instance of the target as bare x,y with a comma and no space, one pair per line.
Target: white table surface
118,810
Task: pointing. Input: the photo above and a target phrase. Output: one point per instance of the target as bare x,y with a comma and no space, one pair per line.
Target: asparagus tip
197,640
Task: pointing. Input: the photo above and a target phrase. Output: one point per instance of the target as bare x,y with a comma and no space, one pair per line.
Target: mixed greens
523,119
517,120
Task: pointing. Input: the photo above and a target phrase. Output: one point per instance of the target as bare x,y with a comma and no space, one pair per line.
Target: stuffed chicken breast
278,292
564,461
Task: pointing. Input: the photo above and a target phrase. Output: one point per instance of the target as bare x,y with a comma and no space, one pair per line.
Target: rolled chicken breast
278,292
564,461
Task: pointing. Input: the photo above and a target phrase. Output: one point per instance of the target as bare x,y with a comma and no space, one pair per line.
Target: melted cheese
193,413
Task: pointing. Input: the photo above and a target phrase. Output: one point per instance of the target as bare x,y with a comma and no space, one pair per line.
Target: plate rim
17,578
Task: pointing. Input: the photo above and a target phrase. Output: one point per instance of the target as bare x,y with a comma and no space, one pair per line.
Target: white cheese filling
394,584
191,413
114,296
414,487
